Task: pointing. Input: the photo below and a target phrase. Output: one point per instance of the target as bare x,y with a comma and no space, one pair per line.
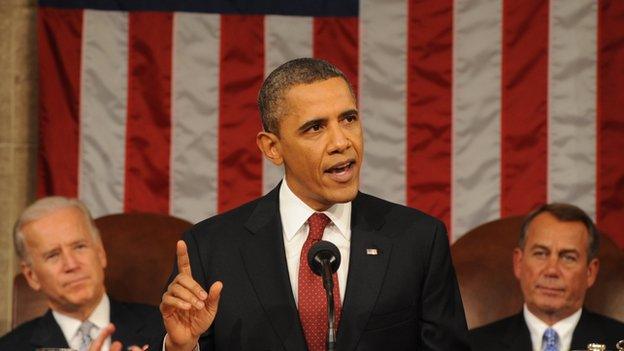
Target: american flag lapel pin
372,252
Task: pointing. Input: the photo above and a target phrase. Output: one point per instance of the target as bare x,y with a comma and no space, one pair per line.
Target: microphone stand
328,284
324,260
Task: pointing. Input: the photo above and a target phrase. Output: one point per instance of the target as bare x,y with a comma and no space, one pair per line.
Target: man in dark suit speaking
556,262
396,287
62,256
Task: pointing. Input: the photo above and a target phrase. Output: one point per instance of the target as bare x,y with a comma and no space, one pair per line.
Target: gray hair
284,77
42,208
565,213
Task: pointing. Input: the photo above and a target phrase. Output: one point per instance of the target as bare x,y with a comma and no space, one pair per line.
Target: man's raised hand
187,309
107,331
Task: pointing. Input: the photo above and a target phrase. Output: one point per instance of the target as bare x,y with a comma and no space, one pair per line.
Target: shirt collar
294,213
564,327
100,317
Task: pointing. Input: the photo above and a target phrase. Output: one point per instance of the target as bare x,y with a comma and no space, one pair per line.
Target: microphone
324,260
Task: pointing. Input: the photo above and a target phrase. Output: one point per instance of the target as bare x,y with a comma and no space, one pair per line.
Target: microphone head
323,250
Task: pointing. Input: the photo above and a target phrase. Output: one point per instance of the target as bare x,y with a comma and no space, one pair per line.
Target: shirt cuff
196,348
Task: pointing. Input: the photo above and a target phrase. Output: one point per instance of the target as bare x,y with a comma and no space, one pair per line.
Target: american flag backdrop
473,109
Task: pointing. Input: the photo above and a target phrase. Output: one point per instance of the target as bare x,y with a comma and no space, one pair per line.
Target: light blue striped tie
550,341
85,335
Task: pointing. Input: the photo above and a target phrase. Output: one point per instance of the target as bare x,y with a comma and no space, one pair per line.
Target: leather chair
27,303
489,289
140,250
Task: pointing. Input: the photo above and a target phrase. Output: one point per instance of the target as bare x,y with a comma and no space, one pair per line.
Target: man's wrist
168,345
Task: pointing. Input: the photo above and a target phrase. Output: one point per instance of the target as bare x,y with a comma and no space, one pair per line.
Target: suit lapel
127,325
586,331
366,272
48,333
517,336
265,262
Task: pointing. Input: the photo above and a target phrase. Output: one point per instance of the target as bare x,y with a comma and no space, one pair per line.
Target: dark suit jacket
135,324
513,334
404,298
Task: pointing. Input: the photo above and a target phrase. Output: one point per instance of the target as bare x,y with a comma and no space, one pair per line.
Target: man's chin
69,305
344,194
82,297
549,306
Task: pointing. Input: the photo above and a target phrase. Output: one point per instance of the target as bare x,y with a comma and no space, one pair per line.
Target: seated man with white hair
61,255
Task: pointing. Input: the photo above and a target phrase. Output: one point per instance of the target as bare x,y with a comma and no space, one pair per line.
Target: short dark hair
566,213
294,72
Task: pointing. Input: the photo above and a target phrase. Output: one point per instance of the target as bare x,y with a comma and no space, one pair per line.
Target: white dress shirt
564,328
100,318
294,214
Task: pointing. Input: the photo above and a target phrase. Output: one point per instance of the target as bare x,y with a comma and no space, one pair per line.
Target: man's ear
517,262
270,146
99,248
592,271
30,275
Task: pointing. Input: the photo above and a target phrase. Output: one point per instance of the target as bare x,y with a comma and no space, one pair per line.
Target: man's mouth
549,290
340,167
342,171
77,281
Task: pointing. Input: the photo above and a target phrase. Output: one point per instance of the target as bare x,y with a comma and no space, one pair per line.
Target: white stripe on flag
103,100
476,114
285,38
383,97
195,115
572,117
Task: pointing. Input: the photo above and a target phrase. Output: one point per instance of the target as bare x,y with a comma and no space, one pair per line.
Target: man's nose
70,261
552,266
339,141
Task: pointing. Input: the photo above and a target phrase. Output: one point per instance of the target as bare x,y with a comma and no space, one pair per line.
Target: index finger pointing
184,264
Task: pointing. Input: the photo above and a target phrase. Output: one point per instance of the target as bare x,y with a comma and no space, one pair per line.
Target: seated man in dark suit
62,256
396,287
555,263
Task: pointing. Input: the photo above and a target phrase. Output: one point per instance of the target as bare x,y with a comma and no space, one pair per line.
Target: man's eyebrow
73,243
349,113
320,120
568,251
47,252
539,247
310,123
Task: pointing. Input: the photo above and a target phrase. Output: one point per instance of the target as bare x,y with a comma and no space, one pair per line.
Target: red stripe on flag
336,40
148,128
429,94
524,112
60,44
241,75
610,159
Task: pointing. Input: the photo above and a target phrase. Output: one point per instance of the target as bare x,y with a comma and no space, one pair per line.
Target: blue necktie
550,341
85,335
